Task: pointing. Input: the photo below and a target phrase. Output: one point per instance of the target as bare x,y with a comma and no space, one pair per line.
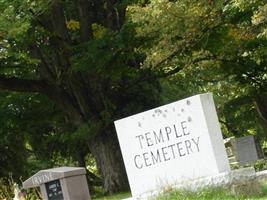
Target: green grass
205,194
214,194
114,197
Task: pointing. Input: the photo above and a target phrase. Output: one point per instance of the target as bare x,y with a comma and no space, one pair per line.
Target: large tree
82,55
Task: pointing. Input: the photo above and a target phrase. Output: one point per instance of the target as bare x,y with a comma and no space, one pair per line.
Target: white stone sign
171,144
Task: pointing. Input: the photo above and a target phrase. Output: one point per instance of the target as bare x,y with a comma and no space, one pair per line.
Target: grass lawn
114,197
206,194
214,194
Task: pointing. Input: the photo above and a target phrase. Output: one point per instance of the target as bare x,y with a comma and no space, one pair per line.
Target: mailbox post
62,183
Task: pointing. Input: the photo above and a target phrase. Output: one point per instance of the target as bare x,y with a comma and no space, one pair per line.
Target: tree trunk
81,159
261,106
86,19
106,150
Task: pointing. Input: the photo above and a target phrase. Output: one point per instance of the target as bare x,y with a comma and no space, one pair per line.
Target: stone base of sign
248,187
239,180
262,175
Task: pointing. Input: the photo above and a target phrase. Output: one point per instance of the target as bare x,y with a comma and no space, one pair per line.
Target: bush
260,165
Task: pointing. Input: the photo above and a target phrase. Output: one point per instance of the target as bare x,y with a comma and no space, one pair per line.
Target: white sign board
171,144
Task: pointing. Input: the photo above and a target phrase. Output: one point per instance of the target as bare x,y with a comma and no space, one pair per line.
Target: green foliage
28,126
216,48
260,165
172,29
109,52
13,152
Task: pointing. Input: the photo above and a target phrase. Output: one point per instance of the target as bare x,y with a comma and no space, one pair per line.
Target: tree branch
111,15
261,106
46,71
86,19
57,95
162,74
22,85
60,40
58,20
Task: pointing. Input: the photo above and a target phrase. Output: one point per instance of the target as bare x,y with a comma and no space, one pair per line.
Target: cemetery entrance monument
171,144
62,183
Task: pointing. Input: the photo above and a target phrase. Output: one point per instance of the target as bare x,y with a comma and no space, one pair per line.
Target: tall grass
6,189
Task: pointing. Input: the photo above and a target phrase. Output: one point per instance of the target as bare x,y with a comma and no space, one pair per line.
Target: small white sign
171,144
